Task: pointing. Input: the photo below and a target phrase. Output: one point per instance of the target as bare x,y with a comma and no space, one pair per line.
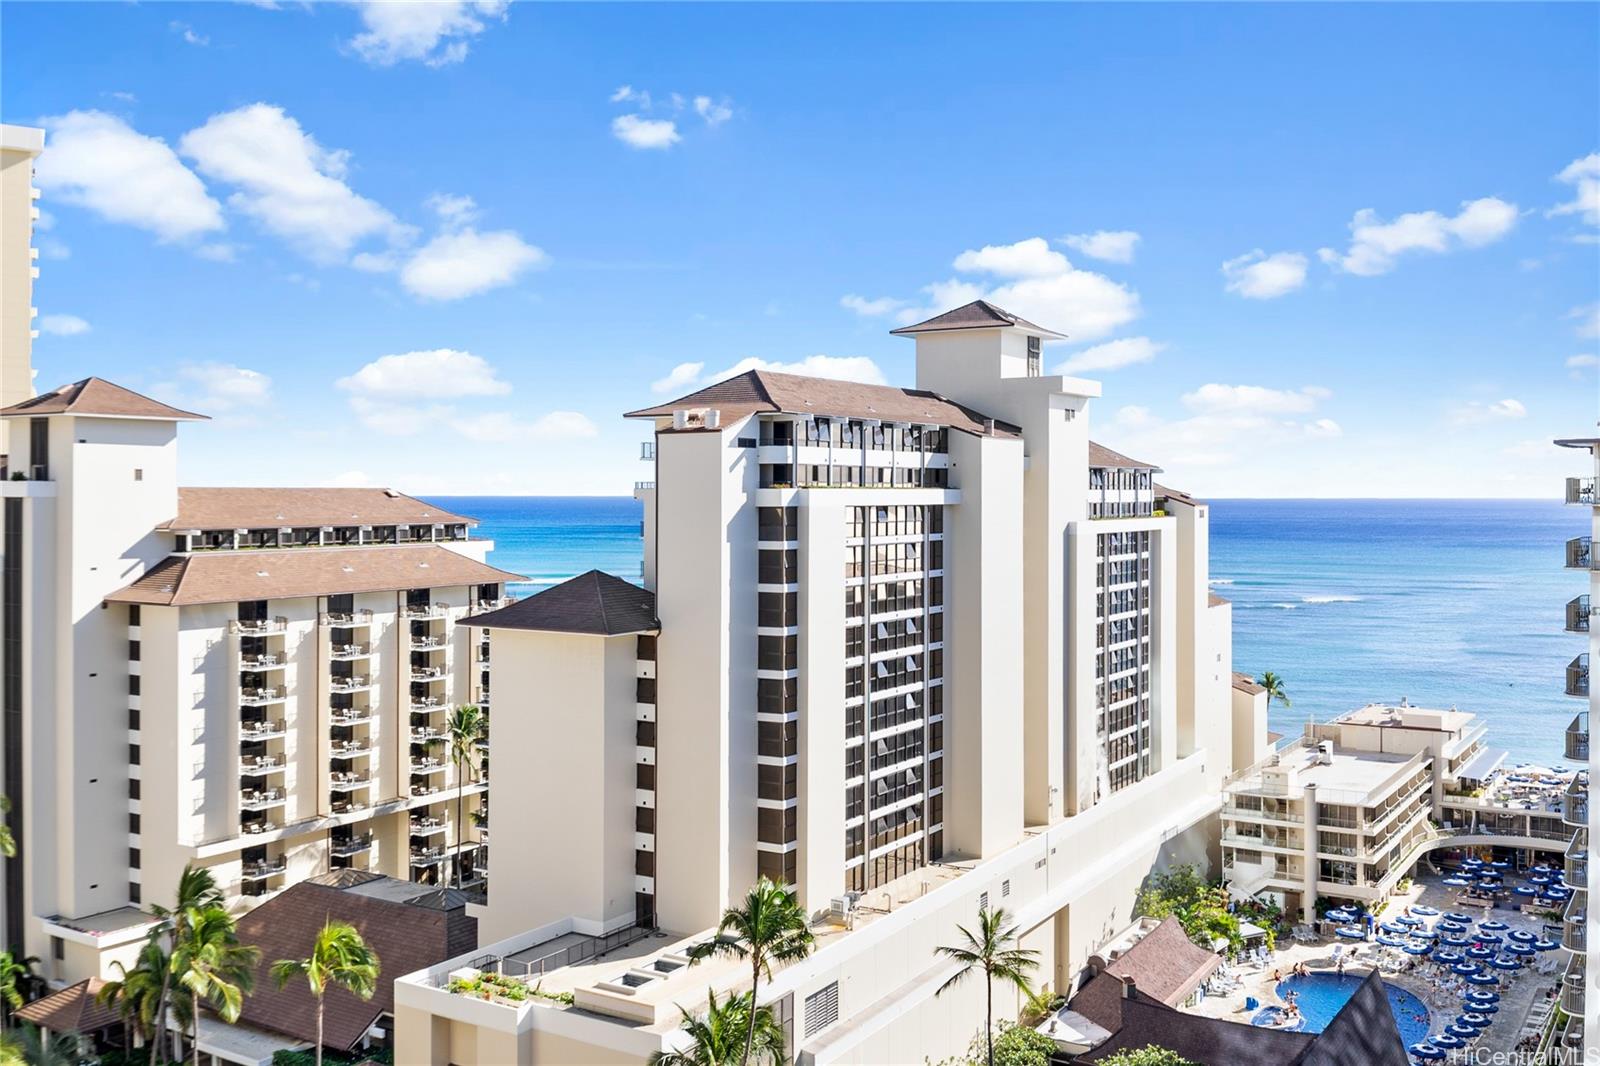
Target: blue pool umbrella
1500,864
1480,995
1456,882
1488,938
1485,1008
1455,941
1424,934
1390,941
1449,925
1540,879
1470,861
1417,949
1392,927
1481,978
1522,936
1351,933
1457,916
1466,1032
1426,1052
1525,890
1480,953
1448,1042
1545,945
1424,910
1465,969
1474,1019
1406,919
1447,958
1520,950
1494,925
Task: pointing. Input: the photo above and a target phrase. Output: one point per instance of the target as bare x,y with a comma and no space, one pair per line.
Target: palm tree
463,729
136,993
339,957
197,891
994,952
213,967
770,927
1274,686
8,843
716,1038
40,1050
14,974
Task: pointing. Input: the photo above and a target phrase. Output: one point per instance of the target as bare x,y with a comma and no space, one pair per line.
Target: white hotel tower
907,650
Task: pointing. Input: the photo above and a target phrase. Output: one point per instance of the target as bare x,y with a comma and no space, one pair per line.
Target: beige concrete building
910,651
251,680
19,266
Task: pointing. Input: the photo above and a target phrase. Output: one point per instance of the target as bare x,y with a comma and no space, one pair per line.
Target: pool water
1321,995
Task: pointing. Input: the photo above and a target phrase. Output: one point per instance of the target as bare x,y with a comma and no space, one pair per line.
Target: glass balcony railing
1582,490
1578,738
1578,614
1580,554
1578,676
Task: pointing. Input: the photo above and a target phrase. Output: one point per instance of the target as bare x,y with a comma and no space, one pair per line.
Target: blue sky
445,246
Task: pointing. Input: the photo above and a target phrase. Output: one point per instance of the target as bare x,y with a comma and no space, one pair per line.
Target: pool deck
1517,999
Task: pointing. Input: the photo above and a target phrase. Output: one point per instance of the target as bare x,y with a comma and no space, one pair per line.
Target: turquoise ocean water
1449,603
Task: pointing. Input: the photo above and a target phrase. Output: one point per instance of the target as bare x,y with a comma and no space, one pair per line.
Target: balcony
252,732
345,619
351,715
259,627
1575,805
348,780
346,685
261,765
1578,614
427,705
1575,925
258,663
1580,554
427,827
264,825
427,856
1578,738
427,673
344,653
427,766
1572,988
1578,676
347,804
350,749
427,643
261,871
424,734
261,697
1582,490
492,605
262,799
421,790
343,849
1577,865
422,612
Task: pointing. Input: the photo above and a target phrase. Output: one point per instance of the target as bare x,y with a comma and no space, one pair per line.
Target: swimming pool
1322,994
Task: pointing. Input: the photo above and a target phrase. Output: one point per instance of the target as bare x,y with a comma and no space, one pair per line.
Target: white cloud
453,210
442,373
1375,245
62,325
1253,399
217,252
1037,283
52,248
1324,427
841,368
99,162
1584,176
626,94
223,387
636,131
1588,319
1476,413
1112,355
715,113
464,263
883,305
500,427
189,34
1259,276
287,181
375,262
436,32
1114,246
1582,362
349,479
679,378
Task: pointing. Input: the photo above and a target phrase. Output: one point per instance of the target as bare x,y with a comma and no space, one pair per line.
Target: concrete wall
820,828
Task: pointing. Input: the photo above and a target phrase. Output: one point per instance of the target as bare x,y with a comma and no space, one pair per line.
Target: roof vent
988,427
393,495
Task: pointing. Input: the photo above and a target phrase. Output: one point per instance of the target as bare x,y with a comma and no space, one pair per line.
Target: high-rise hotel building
908,650
255,681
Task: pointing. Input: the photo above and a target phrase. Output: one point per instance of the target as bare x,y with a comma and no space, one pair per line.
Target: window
138,473
39,449
1035,346
133,684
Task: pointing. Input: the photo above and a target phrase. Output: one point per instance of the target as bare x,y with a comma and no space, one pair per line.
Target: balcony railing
346,619
1578,614
427,643
347,781
260,697
427,856
1572,988
1582,490
427,705
1575,809
259,627
492,605
354,683
421,789
258,731
422,734
351,715
262,799
424,611
426,827
1575,925
351,749
342,653
354,846
1578,676
261,765
255,663
427,673
427,766
1580,554
1576,871
263,825
643,486
260,871
1578,738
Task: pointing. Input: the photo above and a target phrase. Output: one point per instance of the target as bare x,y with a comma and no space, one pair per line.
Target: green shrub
1018,1045
1149,1055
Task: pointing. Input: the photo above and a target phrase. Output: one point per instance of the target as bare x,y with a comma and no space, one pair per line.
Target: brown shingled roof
235,508
1101,456
761,391
595,602
96,396
73,1009
1165,964
1246,683
1213,600
405,937
292,573
979,314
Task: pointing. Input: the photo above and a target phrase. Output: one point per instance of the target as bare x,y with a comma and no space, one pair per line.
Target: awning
1483,764
1251,931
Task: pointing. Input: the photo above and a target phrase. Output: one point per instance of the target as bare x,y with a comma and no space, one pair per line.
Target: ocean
1447,603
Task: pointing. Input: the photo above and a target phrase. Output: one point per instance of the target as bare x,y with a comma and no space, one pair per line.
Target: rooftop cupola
976,342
